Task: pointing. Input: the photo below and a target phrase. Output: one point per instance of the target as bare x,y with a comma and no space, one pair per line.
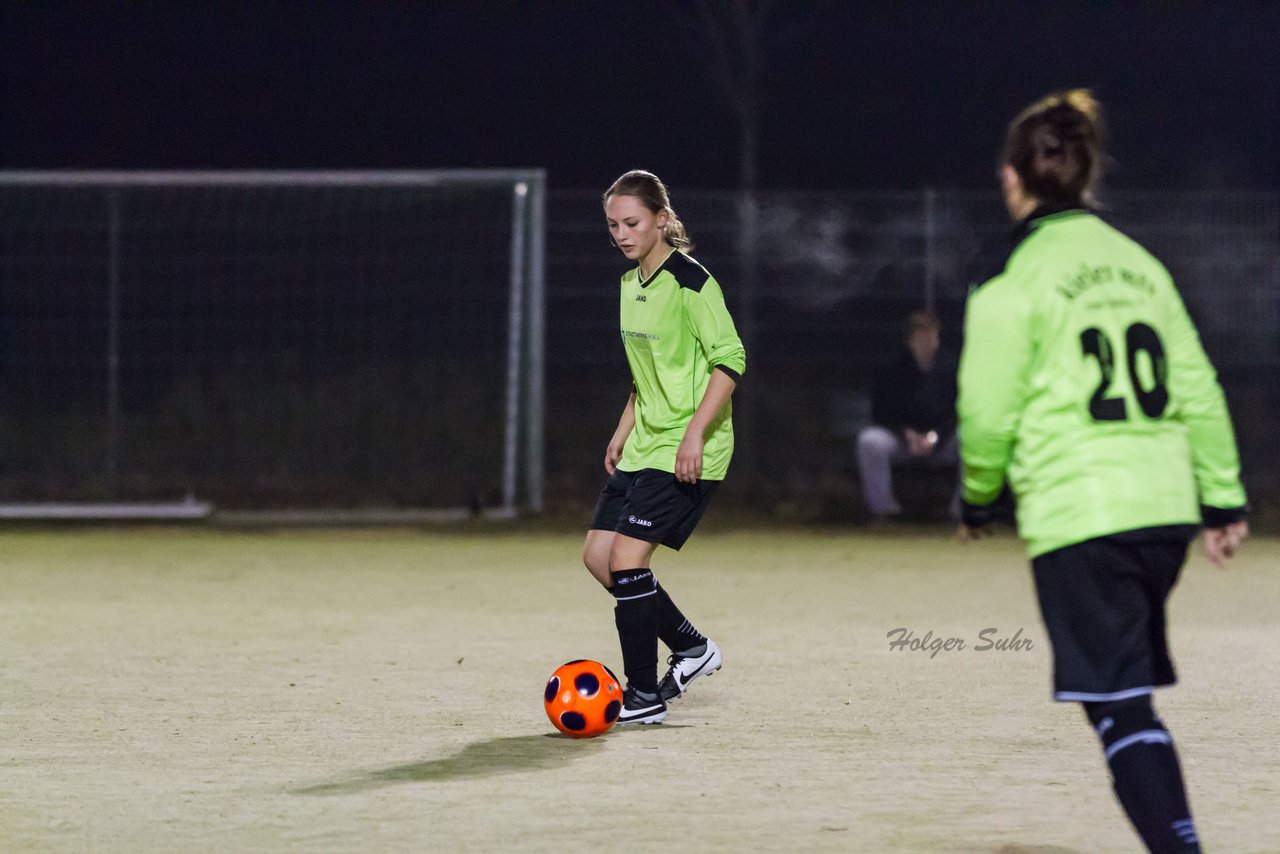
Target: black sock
674,629
636,616
1145,773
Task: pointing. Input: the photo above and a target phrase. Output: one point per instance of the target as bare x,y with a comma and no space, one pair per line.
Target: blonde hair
1056,147
652,193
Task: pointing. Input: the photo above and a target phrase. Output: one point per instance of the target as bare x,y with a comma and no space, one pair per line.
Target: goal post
367,343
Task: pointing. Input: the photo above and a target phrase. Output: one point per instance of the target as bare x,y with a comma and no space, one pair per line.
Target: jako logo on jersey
640,298
634,521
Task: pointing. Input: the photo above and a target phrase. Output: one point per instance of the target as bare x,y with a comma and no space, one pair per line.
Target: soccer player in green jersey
1084,387
673,442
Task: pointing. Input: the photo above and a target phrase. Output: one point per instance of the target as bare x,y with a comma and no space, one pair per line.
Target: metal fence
837,275
265,339
278,346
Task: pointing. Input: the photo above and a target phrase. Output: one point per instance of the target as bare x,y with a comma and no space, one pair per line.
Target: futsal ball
583,698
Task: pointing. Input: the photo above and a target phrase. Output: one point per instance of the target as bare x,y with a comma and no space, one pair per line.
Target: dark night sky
855,94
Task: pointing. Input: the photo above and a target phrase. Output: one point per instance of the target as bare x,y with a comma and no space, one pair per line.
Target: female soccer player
672,444
1083,383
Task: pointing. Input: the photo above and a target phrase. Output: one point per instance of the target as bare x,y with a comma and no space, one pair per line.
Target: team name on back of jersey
1086,277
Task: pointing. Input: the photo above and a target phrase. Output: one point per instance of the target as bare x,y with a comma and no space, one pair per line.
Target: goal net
361,342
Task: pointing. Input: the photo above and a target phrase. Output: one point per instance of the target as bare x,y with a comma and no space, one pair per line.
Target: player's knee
625,553
1122,723
596,560
1139,706
594,564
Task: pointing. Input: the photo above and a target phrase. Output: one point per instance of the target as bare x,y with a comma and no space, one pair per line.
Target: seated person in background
913,407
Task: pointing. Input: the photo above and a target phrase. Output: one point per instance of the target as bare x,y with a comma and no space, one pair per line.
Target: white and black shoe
686,668
641,708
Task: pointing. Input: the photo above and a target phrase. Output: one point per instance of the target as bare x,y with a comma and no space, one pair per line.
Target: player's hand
1220,544
968,533
975,521
612,455
689,459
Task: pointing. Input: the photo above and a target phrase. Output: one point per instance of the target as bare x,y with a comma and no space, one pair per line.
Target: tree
735,31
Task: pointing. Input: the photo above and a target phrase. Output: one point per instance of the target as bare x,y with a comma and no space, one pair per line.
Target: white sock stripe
688,626
1150,736
1083,697
641,596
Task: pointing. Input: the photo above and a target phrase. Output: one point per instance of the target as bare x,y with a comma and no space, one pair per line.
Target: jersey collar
1045,211
644,283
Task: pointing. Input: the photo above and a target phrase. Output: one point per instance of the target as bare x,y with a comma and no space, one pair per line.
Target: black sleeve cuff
982,515
730,373
977,515
1221,517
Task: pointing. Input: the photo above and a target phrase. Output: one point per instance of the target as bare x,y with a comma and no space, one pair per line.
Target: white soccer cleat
684,670
641,710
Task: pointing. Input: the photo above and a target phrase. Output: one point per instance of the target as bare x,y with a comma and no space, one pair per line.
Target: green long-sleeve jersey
1083,383
676,331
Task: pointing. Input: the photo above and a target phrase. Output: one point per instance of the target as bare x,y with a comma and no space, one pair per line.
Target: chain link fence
341,346
269,340
837,275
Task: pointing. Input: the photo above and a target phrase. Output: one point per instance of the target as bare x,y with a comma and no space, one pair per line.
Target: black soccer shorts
1103,604
651,505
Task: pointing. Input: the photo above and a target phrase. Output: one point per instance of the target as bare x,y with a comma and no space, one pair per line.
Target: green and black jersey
676,331
1083,383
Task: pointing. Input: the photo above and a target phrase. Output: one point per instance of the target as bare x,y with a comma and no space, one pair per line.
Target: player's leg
595,555
876,449
693,655
1145,773
621,564
635,592
660,509
1103,605
610,506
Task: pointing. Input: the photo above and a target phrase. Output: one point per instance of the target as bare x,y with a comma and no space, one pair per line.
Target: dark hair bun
1055,146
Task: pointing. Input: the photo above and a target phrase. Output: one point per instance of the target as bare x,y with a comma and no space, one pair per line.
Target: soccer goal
363,345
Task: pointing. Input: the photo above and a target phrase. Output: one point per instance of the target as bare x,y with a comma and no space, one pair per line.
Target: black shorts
651,505
1103,606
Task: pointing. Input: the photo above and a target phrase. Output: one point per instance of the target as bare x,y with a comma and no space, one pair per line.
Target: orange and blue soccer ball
583,698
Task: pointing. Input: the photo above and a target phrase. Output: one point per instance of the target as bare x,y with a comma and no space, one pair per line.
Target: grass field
201,690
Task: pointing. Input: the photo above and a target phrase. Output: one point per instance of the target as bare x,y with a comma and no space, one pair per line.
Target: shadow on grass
479,759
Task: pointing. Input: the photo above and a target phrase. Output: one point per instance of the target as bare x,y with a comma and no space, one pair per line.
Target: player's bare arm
618,441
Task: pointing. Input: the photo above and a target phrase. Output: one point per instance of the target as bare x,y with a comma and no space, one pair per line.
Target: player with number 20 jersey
1084,382
1084,387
